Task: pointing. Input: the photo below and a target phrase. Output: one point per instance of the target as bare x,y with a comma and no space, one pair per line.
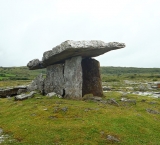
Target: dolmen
70,69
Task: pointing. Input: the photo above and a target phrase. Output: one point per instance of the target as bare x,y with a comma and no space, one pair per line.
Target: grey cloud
28,28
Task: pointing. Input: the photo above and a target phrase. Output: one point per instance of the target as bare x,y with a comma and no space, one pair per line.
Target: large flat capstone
72,48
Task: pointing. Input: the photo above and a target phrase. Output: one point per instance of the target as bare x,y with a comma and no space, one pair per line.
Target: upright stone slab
54,81
91,77
73,78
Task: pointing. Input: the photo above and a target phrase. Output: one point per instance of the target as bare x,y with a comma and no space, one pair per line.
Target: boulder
54,81
72,48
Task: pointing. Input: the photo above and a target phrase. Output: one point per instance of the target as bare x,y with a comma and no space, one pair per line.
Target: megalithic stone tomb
71,72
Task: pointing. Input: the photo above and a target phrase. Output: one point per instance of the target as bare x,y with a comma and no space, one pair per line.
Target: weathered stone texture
25,96
10,91
54,81
37,84
73,78
71,72
91,77
72,48
20,91
35,64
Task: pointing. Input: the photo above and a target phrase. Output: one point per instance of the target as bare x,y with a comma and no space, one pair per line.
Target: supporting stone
54,81
92,83
73,78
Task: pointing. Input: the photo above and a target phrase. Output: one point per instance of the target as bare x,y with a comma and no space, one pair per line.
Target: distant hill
23,73
129,70
19,73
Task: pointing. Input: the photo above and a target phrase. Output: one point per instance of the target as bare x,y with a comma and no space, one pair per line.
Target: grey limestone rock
128,101
21,87
35,64
67,80
105,88
72,48
10,91
53,94
20,91
90,97
112,138
54,81
92,83
152,111
73,78
112,102
37,84
25,96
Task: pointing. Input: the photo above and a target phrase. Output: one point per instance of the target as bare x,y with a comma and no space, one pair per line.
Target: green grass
18,73
83,123
10,83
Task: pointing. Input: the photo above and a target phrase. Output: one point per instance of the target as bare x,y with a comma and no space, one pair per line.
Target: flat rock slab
10,91
25,96
72,48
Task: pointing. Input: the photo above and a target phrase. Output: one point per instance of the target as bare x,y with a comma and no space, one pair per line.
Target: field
45,121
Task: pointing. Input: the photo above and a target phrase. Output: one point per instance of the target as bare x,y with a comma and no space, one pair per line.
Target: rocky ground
148,89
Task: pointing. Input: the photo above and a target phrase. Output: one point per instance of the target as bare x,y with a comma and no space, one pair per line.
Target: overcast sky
30,27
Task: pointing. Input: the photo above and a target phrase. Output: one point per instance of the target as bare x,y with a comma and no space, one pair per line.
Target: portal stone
92,83
73,78
54,81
